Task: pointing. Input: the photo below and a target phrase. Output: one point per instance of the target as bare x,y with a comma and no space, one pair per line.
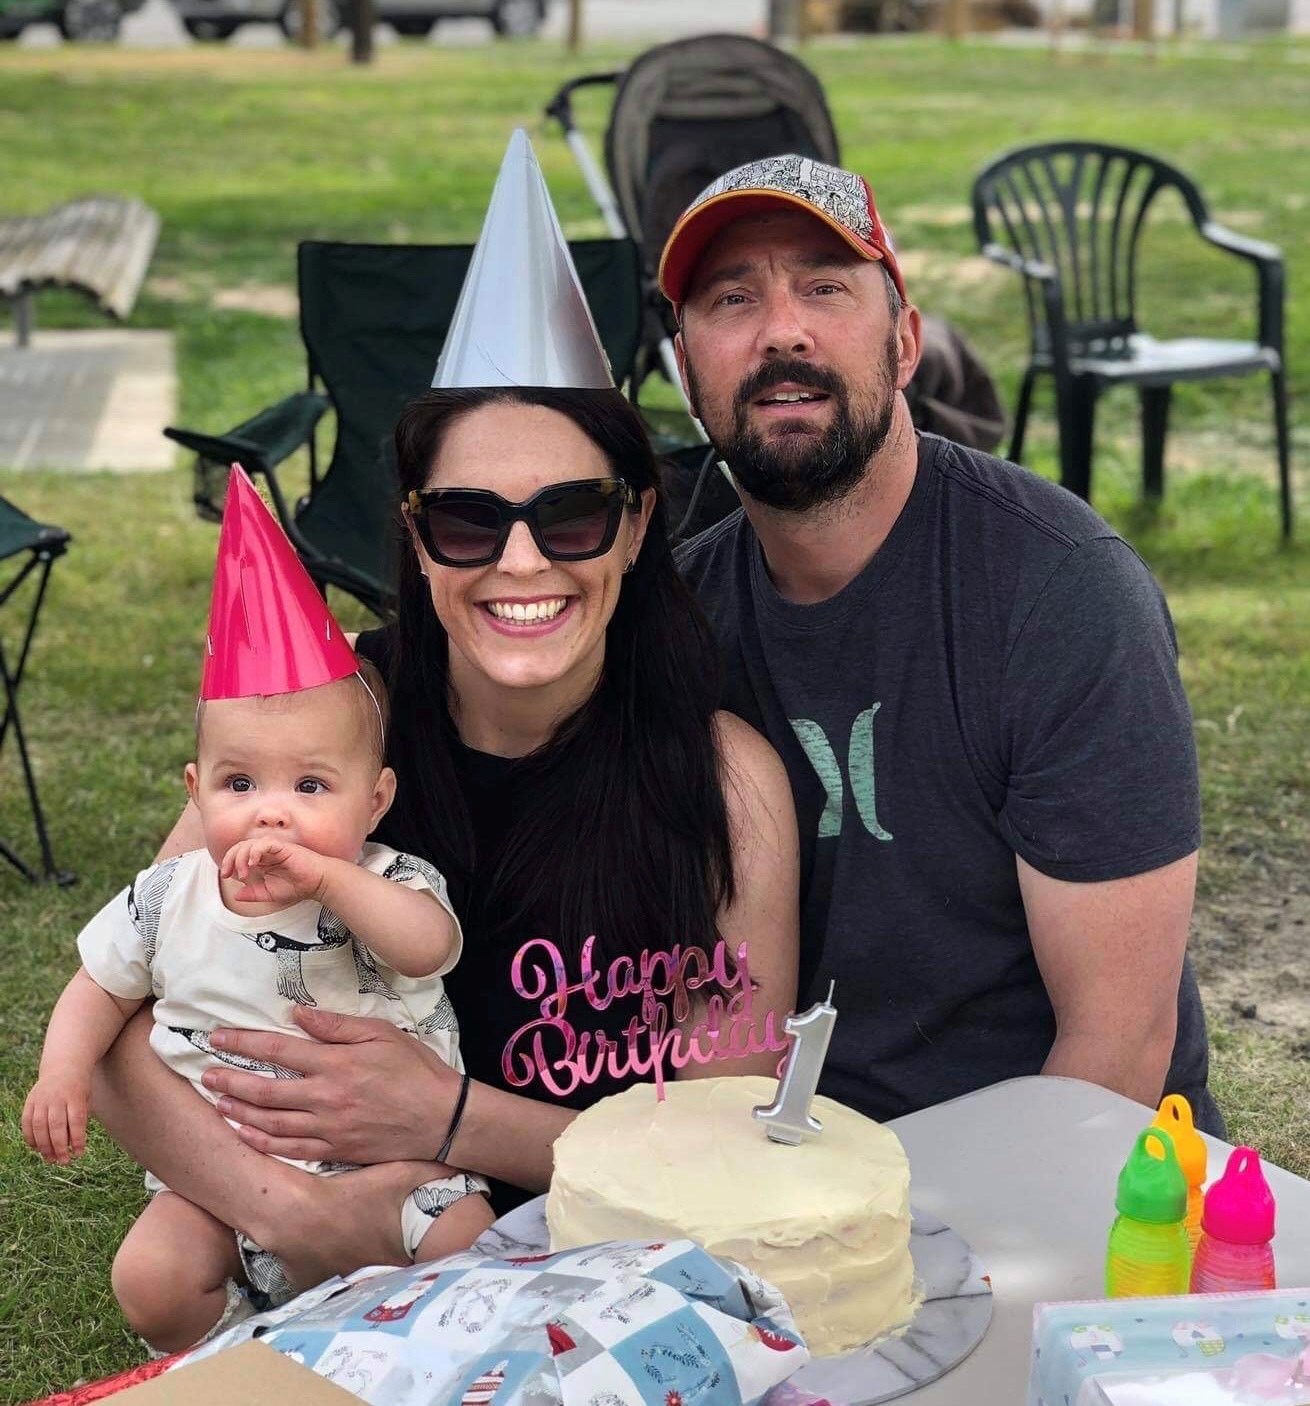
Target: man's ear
680,351
384,792
909,344
192,780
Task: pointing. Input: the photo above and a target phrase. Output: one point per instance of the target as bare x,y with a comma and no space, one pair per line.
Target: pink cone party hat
270,630
522,318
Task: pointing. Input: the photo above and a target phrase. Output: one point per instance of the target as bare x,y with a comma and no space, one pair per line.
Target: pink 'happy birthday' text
670,984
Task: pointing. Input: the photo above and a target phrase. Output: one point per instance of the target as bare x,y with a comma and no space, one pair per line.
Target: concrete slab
88,400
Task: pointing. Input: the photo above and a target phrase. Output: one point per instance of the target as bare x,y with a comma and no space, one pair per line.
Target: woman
560,760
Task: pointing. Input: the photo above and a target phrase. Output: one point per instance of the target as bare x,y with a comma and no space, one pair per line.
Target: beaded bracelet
455,1117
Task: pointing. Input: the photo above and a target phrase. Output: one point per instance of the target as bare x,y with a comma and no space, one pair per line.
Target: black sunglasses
569,521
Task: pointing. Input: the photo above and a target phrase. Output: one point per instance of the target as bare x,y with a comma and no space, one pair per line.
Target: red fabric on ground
107,1386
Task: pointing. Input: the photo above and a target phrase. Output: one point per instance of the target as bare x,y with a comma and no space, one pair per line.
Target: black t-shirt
493,1015
1000,679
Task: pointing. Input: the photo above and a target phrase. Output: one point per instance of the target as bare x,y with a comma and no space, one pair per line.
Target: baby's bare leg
171,1272
455,1228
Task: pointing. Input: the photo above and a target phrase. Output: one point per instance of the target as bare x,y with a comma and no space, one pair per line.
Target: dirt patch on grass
1248,452
943,216
1252,956
269,299
972,271
172,290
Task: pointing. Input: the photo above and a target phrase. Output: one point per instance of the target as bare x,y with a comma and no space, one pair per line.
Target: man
971,678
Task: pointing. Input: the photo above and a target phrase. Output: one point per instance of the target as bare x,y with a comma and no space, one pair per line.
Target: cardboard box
249,1374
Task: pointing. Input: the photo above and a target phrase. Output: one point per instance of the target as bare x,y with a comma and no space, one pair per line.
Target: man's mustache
777,373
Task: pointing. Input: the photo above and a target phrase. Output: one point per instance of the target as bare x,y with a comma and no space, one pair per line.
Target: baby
286,904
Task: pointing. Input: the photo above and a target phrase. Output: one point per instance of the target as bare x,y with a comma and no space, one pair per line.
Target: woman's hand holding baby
369,1092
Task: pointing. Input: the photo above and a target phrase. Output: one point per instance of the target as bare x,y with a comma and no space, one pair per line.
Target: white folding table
1025,1171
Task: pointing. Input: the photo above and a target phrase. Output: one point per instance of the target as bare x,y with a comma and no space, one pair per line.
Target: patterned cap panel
841,195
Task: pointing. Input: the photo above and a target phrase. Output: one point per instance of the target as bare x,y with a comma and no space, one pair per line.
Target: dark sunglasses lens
464,531
577,521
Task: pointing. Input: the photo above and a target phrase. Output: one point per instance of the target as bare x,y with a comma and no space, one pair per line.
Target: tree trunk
784,20
361,31
309,23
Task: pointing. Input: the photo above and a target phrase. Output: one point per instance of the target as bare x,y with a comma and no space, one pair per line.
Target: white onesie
168,935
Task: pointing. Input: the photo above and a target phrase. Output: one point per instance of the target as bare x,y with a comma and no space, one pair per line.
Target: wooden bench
101,246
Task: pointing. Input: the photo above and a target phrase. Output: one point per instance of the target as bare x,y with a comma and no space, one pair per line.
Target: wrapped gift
621,1324
1248,1349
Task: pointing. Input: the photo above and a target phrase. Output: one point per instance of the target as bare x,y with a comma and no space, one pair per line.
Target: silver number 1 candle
788,1118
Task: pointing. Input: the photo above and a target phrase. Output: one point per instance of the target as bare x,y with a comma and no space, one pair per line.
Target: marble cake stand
949,1324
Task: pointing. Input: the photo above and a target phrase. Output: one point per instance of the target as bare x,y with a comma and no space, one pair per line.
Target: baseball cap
841,199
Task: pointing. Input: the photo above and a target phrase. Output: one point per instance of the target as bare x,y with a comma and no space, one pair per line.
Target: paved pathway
155,26
88,400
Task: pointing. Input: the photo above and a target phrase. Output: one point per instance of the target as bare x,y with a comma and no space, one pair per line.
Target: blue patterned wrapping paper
1114,1341
617,1324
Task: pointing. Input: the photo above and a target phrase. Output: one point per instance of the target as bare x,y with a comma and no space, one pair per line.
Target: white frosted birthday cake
827,1222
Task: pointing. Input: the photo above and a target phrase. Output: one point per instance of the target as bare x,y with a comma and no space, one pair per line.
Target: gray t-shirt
1001,679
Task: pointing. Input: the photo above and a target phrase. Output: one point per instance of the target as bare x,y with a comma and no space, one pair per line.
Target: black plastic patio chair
373,318
1068,217
32,548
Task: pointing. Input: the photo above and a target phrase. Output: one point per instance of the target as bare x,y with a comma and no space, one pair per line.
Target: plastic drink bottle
1149,1252
1236,1229
1175,1117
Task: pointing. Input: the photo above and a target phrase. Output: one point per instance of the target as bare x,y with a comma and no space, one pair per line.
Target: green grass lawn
244,153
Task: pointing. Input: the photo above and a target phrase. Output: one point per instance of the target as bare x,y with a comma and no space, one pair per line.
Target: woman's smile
531,616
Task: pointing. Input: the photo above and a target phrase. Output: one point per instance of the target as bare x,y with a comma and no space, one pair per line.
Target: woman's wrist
509,1136
457,1115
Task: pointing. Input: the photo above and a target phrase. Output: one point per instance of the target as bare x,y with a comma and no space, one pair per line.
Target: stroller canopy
686,112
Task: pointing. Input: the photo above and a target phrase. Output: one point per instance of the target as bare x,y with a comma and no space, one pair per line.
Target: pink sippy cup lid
1239,1207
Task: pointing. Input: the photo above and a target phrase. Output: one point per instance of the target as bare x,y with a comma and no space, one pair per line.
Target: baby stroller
683,114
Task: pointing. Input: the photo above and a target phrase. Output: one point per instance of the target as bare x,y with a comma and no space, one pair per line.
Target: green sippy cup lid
1152,1188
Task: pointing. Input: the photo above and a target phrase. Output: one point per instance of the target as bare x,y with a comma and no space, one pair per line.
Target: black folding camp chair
33,546
373,318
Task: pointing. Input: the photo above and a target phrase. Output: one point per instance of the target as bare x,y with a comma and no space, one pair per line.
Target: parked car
96,20
219,19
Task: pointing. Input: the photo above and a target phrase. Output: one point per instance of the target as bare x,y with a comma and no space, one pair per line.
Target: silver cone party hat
522,318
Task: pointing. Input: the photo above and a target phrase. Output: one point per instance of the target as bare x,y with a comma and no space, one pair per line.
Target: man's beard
799,467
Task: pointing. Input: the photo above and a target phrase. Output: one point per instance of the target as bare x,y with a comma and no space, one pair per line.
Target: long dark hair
620,828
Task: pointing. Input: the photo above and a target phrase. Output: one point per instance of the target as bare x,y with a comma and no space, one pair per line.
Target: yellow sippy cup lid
1175,1117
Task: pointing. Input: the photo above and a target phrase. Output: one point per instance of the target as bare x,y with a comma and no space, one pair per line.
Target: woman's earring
629,564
